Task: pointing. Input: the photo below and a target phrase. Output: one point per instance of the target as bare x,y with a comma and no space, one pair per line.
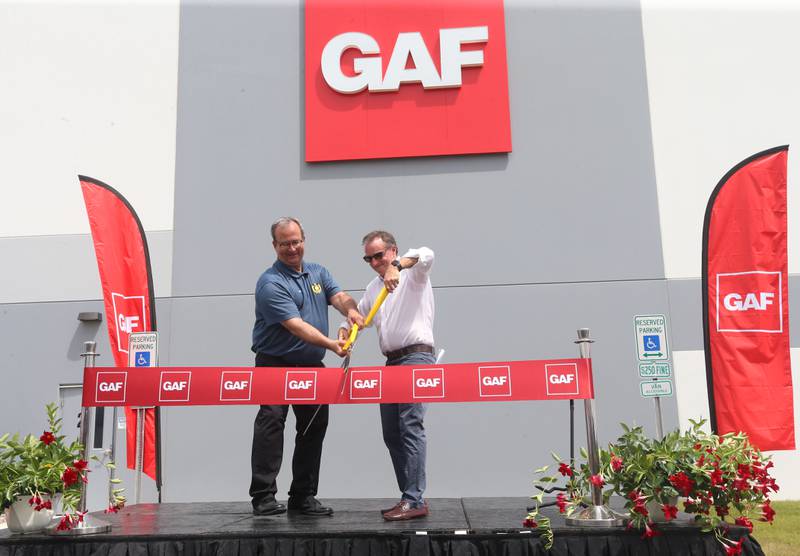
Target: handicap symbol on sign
142,359
651,343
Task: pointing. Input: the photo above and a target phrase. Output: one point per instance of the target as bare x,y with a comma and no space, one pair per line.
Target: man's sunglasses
377,256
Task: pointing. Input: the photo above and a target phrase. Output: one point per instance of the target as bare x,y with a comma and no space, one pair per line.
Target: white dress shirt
406,316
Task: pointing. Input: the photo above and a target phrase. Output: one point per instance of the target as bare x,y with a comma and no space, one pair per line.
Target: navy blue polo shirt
282,294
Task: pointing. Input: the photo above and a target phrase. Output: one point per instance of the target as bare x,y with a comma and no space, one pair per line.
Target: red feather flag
124,263
746,303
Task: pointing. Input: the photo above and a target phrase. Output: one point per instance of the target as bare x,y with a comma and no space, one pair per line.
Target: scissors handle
368,320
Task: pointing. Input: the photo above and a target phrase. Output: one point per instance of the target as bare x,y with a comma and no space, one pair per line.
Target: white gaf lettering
562,379
365,383
408,45
110,386
760,302
235,384
300,384
127,324
428,382
175,386
494,380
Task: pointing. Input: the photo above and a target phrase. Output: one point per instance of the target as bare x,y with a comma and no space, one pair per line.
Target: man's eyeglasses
377,256
292,243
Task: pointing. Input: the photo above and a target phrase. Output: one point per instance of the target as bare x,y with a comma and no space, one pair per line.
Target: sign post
142,352
652,348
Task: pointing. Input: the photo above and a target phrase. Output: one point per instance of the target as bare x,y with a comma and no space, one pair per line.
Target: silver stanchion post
112,475
659,419
597,514
89,524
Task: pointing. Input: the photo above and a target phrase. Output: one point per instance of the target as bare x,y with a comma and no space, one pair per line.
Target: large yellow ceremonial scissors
368,320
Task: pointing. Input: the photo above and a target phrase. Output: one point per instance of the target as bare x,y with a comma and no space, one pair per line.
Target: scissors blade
346,367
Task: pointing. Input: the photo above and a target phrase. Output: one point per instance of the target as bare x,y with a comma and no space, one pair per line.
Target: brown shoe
405,511
387,510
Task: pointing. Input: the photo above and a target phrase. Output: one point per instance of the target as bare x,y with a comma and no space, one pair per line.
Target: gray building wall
561,233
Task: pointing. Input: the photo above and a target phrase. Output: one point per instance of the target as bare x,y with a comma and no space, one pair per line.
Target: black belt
413,348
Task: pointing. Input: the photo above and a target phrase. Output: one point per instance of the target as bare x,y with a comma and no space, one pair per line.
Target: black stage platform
468,526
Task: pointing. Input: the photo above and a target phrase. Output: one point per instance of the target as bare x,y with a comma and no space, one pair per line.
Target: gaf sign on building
391,78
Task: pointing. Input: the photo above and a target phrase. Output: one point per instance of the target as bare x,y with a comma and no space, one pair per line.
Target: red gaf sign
390,78
365,385
562,379
749,302
301,385
428,383
111,386
235,386
174,386
494,381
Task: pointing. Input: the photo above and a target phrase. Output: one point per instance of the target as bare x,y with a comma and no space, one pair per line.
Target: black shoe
309,506
268,506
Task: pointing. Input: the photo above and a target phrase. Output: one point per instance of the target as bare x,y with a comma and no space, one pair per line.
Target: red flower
722,511
48,438
716,477
670,511
616,463
741,484
70,476
527,523
561,502
743,471
597,480
565,470
745,522
80,465
65,524
34,500
649,532
640,507
767,513
735,549
682,482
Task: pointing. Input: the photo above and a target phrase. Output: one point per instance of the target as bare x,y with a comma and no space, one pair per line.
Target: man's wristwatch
397,265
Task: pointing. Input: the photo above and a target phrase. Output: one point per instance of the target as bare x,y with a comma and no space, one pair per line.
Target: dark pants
267,452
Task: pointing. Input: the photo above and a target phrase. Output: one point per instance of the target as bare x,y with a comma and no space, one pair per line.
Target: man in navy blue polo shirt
291,330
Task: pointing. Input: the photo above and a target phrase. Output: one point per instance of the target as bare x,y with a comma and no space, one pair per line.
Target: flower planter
21,517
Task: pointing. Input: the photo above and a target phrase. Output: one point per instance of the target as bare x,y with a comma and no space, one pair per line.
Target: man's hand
336,347
354,317
344,333
391,278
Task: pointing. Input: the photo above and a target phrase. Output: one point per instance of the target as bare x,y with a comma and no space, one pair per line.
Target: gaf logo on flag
301,385
174,386
494,381
428,383
561,379
390,79
129,317
236,386
365,385
750,302
111,386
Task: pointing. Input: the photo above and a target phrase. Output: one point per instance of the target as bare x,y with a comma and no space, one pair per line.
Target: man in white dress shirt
405,334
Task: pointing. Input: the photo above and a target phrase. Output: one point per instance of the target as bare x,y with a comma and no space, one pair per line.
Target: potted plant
37,470
718,477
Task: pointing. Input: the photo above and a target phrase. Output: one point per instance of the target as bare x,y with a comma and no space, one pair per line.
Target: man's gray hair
388,239
283,221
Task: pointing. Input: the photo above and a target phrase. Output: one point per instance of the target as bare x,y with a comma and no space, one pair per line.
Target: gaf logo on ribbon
561,379
750,302
236,386
494,381
128,317
174,386
365,385
428,383
393,79
111,386
301,385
